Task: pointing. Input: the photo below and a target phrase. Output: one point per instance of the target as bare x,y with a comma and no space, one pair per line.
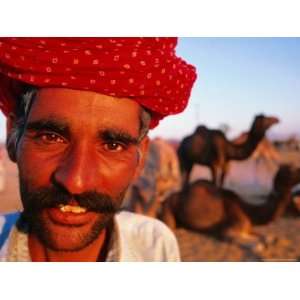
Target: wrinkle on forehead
90,108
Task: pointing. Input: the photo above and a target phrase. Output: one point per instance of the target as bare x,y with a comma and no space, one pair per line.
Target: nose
77,171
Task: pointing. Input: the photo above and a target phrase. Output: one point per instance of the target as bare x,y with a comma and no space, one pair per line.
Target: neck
91,253
254,138
282,199
244,150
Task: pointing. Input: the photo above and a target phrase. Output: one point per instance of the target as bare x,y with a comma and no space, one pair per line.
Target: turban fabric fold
146,70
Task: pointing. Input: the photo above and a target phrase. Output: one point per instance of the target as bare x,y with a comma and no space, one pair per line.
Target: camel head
286,177
201,129
262,123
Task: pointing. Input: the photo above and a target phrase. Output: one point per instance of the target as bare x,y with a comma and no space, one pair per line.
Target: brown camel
265,151
160,177
202,206
293,208
211,148
296,201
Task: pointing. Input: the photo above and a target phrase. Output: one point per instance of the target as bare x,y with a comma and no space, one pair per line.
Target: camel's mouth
272,121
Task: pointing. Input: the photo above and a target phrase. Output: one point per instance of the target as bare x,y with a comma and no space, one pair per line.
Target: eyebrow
117,135
57,126
62,128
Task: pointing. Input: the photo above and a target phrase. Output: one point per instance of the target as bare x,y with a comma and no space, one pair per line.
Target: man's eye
114,146
51,138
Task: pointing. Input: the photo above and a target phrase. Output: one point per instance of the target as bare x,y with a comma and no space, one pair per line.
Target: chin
62,237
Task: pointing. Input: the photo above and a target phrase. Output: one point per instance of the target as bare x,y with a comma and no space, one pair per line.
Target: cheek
34,168
118,176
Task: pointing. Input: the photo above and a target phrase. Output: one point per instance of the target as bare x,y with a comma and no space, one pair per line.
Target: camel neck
244,150
279,200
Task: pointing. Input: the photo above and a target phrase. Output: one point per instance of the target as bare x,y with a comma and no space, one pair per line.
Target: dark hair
24,102
145,119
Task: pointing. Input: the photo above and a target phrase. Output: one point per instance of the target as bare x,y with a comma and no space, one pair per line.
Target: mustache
53,196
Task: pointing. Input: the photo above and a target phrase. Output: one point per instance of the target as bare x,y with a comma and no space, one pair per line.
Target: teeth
71,208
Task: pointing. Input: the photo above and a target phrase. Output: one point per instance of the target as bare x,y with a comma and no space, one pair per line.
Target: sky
238,78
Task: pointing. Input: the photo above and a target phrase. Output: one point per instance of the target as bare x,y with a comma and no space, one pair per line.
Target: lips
72,215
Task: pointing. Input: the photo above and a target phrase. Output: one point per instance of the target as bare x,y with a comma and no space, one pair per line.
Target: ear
11,136
143,152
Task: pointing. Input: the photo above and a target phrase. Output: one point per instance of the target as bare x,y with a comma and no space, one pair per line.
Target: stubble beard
68,237
78,239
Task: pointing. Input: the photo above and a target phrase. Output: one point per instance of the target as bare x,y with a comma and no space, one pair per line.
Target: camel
160,177
293,208
296,201
204,207
265,151
211,148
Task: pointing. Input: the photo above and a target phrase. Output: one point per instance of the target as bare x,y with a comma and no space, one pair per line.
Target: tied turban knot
146,70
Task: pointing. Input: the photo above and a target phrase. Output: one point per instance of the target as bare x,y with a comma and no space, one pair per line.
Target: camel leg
240,229
186,175
239,223
138,201
223,173
167,215
138,208
214,174
154,207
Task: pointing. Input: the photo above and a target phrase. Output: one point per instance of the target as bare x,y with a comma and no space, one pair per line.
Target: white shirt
135,238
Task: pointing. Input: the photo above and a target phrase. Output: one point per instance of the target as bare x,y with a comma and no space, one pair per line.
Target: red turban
146,70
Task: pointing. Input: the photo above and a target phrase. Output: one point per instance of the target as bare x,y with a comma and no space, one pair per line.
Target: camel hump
203,208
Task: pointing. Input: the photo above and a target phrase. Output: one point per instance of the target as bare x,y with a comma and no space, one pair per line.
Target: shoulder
138,223
7,222
149,238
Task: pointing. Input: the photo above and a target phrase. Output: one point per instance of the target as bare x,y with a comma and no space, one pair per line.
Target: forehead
85,109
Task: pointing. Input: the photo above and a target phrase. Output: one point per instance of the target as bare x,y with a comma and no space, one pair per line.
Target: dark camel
294,206
204,207
212,149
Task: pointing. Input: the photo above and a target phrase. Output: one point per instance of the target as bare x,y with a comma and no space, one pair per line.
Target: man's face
77,156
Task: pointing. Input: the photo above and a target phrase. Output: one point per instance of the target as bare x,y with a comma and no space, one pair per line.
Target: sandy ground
251,181
285,247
